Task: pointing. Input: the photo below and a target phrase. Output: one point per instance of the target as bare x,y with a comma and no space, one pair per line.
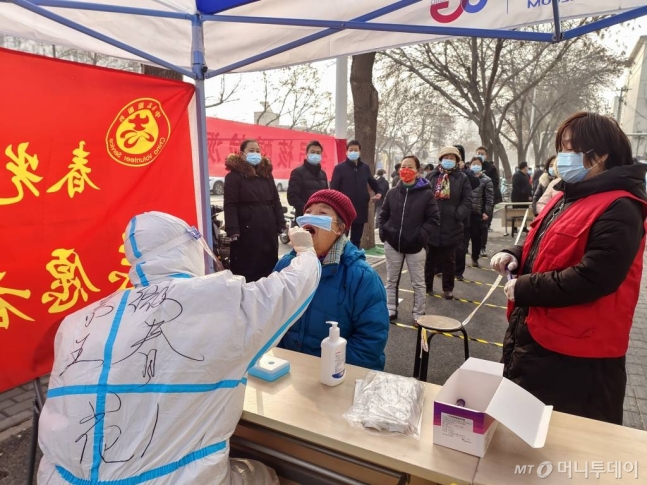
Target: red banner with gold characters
82,149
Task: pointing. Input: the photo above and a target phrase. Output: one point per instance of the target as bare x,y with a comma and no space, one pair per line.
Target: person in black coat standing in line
521,186
453,195
307,179
395,176
384,188
253,213
491,171
352,178
461,248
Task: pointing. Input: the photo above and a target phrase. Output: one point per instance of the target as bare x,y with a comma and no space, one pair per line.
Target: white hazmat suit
148,384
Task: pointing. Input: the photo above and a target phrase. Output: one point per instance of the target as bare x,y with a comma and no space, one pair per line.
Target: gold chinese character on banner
6,307
116,276
77,177
70,281
20,165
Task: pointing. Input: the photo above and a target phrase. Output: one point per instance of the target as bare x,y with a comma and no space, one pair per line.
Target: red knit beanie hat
339,203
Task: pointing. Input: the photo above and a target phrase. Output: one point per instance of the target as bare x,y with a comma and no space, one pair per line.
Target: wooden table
571,439
298,405
513,211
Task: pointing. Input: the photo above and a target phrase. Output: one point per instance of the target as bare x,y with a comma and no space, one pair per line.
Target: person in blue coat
350,291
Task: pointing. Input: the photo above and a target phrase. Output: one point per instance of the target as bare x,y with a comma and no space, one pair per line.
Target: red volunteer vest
597,329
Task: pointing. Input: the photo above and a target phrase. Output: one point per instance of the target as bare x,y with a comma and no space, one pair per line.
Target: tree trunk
161,72
503,157
491,139
366,104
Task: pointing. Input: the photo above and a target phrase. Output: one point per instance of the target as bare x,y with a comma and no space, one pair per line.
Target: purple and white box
473,401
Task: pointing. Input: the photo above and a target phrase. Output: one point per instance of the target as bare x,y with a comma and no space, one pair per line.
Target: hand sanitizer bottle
333,357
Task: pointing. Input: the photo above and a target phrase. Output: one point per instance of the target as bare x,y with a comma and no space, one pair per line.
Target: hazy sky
249,98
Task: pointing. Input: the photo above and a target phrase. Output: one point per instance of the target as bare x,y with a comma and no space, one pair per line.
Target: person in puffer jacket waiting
350,291
409,214
453,194
482,208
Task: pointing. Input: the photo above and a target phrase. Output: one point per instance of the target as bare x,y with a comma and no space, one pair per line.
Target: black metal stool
435,324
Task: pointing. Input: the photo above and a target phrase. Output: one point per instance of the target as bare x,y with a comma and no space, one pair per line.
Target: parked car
281,184
217,185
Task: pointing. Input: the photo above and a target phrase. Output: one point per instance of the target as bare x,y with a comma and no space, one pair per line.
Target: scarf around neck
441,191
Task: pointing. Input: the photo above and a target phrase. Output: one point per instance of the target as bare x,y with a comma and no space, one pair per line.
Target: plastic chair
436,324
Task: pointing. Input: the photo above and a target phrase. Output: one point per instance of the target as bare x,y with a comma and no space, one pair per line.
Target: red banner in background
286,149
83,149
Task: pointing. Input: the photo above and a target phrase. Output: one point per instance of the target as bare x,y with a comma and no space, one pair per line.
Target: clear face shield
198,237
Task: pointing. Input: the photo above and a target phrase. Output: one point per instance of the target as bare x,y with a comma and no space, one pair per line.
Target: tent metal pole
97,35
199,71
557,36
605,22
341,98
501,34
310,38
384,27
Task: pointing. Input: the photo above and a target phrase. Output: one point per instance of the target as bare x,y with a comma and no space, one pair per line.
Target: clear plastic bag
387,403
251,472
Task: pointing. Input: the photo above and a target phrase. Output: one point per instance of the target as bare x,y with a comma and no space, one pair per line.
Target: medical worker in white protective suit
148,384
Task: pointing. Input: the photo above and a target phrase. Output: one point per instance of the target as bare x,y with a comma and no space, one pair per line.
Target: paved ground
488,325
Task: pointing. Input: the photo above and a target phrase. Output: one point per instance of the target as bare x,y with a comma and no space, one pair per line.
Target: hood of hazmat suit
148,384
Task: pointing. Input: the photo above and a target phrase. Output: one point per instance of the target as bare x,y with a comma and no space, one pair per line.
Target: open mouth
310,229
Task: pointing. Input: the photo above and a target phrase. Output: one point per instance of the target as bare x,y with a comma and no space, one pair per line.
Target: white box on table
489,399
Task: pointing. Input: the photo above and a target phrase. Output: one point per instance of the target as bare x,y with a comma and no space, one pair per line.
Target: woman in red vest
572,302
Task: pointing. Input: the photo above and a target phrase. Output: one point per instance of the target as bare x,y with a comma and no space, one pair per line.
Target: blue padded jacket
352,294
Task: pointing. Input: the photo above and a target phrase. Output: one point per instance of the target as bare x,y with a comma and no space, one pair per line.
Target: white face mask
352,156
570,166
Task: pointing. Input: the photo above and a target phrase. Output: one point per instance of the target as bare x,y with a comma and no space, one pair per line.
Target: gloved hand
301,240
502,261
508,289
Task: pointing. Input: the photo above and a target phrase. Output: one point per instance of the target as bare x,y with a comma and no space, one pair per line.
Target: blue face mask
314,158
448,164
551,171
322,222
570,166
482,157
476,168
253,158
352,156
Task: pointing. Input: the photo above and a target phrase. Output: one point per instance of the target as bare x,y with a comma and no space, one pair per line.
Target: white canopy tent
204,38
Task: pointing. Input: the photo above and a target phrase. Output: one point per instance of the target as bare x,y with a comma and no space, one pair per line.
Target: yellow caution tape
479,283
464,300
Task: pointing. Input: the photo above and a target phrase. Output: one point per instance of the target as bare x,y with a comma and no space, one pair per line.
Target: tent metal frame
200,72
